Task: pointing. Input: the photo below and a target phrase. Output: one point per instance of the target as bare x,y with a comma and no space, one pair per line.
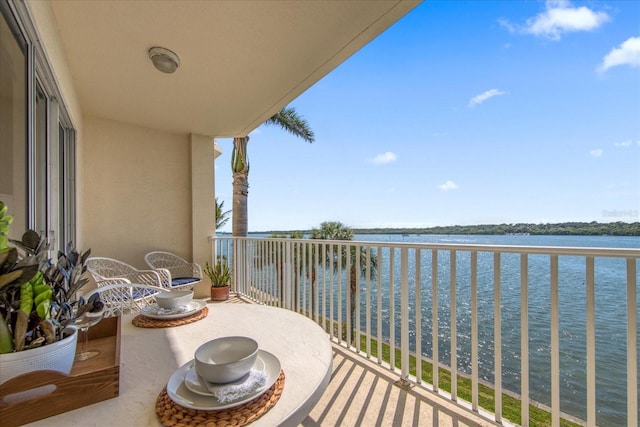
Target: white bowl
173,299
226,359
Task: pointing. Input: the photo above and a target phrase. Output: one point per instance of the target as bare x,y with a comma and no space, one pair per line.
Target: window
13,121
37,141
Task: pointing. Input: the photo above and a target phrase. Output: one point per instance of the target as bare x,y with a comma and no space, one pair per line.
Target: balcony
561,344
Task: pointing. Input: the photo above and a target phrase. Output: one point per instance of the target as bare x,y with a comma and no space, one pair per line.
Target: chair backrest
159,259
103,268
178,267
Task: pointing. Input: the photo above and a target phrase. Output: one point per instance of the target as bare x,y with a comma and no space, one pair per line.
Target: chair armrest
164,277
112,281
125,297
151,278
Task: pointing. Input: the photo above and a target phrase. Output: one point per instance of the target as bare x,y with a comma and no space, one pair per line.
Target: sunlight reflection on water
610,316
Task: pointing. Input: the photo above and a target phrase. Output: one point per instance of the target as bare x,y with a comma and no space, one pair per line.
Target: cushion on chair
179,281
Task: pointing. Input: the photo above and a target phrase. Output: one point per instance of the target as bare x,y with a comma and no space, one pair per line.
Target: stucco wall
136,191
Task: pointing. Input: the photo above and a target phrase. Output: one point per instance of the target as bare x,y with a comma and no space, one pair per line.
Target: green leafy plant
38,295
219,274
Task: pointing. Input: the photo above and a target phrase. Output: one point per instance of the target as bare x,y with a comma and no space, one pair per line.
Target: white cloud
623,143
558,18
384,158
449,185
627,54
479,99
596,153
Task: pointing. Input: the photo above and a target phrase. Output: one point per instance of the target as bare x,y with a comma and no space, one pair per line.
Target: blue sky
463,112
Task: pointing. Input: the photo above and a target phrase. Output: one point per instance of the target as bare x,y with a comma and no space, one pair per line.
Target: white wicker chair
109,268
183,274
121,297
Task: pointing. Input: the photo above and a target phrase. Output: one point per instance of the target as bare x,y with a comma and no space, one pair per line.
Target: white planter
57,356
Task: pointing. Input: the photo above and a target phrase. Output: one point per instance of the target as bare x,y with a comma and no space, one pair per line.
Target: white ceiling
241,61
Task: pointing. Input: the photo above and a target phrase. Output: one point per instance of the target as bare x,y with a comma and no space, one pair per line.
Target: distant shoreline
558,229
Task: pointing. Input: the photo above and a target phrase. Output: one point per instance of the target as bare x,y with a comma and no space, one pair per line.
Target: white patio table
150,356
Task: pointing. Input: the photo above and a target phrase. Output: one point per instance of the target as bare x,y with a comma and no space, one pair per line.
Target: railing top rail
533,250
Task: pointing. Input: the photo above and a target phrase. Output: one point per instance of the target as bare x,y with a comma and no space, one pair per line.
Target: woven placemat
172,414
147,322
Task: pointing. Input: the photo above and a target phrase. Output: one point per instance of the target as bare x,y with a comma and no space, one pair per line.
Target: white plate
198,385
179,393
193,307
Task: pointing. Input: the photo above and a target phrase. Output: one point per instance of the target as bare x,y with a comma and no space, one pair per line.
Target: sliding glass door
37,140
13,121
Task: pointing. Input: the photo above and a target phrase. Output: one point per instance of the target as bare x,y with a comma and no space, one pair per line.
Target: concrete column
203,206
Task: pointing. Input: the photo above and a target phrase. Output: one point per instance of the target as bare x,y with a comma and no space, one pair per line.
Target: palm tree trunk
240,168
240,194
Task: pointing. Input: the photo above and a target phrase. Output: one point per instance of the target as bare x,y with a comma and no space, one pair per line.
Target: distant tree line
560,229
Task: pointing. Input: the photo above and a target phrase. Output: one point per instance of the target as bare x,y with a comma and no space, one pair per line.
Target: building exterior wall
136,191
203,154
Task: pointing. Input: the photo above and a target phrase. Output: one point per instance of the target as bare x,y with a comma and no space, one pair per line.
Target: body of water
610,315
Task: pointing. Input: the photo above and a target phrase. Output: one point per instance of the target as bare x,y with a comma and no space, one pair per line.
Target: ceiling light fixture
164,60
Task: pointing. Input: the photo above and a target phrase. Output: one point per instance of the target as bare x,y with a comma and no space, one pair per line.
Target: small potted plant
220,276
38,302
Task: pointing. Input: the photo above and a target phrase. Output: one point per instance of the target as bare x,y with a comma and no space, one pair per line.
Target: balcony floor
362,393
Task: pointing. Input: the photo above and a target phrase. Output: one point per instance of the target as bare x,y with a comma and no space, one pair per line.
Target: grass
511,406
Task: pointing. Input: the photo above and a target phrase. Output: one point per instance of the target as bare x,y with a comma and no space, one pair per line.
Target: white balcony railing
563,334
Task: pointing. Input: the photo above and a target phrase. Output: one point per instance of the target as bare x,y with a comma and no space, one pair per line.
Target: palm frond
289,120
221,216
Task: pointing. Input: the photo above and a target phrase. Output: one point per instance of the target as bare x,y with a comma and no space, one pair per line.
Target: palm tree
288,120
334,230
221,217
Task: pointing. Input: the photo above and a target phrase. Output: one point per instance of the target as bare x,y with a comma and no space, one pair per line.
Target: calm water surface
610,316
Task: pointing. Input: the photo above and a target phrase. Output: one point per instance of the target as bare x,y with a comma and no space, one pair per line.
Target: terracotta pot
219,293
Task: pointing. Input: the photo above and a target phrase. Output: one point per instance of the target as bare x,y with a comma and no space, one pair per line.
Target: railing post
591,343
404,319
379,304
339,297
418,315
555,344
632,345
474,330
524,339
434,318
356,295
287,276
368,302
497,336
453,326
235,273
392,309
332,293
